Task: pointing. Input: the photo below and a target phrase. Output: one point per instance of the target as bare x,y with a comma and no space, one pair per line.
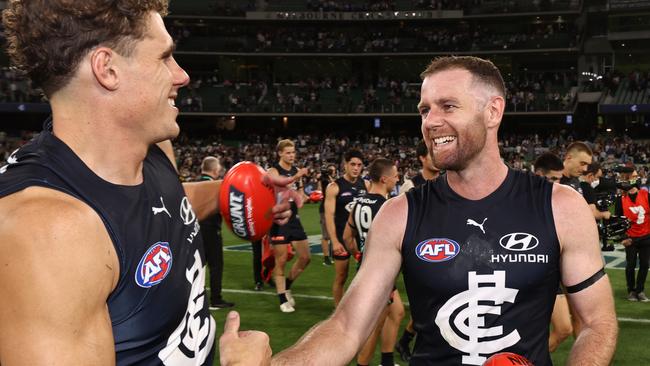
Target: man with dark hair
550,166
339,199
383,178
102,255
290,234
428,172
212,241
459,242
576,160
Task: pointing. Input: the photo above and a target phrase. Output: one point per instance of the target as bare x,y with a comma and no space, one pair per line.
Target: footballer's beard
468,146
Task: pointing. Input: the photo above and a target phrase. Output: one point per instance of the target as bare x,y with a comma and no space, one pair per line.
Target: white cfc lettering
467,311
191,342
362,220
640,212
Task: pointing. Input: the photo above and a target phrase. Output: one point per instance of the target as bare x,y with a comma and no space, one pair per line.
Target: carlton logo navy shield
437,250
154,265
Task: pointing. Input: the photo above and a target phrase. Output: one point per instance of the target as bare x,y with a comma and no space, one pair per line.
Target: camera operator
633,203
590,180
326,176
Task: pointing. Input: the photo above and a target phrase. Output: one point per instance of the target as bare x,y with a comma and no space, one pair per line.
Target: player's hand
243,347
282,209
338,249
626,242
607,215
302,172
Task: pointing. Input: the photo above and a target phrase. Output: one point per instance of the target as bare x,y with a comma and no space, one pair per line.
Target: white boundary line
633,320
319,297
269,293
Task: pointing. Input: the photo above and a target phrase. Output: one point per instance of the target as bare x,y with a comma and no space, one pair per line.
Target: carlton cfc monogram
468,330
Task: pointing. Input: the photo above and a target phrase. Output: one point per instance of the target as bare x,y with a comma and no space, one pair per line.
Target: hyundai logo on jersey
437,250
519,242
154,265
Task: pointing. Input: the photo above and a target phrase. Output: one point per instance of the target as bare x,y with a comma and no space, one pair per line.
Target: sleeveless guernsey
159,311
348,194
481,276
363,212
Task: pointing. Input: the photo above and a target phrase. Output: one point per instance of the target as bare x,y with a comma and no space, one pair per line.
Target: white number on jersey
362,220
640,211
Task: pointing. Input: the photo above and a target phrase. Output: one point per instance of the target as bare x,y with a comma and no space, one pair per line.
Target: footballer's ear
494,110
104,67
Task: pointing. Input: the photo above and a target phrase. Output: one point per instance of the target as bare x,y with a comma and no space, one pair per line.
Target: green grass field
260,311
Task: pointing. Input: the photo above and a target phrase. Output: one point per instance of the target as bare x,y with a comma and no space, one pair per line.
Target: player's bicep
581,264
57,268
578,236
330,199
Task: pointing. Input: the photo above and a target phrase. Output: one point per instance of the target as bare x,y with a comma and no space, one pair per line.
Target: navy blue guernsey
481,276
348,194
158,309
295,185
363,213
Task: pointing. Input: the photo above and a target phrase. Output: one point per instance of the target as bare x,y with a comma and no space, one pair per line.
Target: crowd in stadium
636,80
16,89
529,92
316,151
239,9
409,37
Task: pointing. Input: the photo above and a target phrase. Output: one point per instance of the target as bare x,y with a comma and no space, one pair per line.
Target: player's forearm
596,343
329,225
325,344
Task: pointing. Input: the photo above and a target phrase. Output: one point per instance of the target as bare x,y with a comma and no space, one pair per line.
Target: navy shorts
287,233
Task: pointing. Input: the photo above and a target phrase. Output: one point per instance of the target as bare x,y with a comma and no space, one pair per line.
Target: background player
212,241
292,233
576,160
341,195
383,178
428,171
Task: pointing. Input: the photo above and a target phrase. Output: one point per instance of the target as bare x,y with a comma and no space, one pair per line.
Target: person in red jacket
635,206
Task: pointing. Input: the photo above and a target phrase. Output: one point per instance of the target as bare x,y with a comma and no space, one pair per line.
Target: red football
507,359
316,196
245,201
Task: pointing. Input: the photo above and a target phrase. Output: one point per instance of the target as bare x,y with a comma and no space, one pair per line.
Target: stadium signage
623,108
365,15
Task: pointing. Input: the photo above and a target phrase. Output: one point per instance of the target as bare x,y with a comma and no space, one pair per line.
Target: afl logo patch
437,250
154,265
519,242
